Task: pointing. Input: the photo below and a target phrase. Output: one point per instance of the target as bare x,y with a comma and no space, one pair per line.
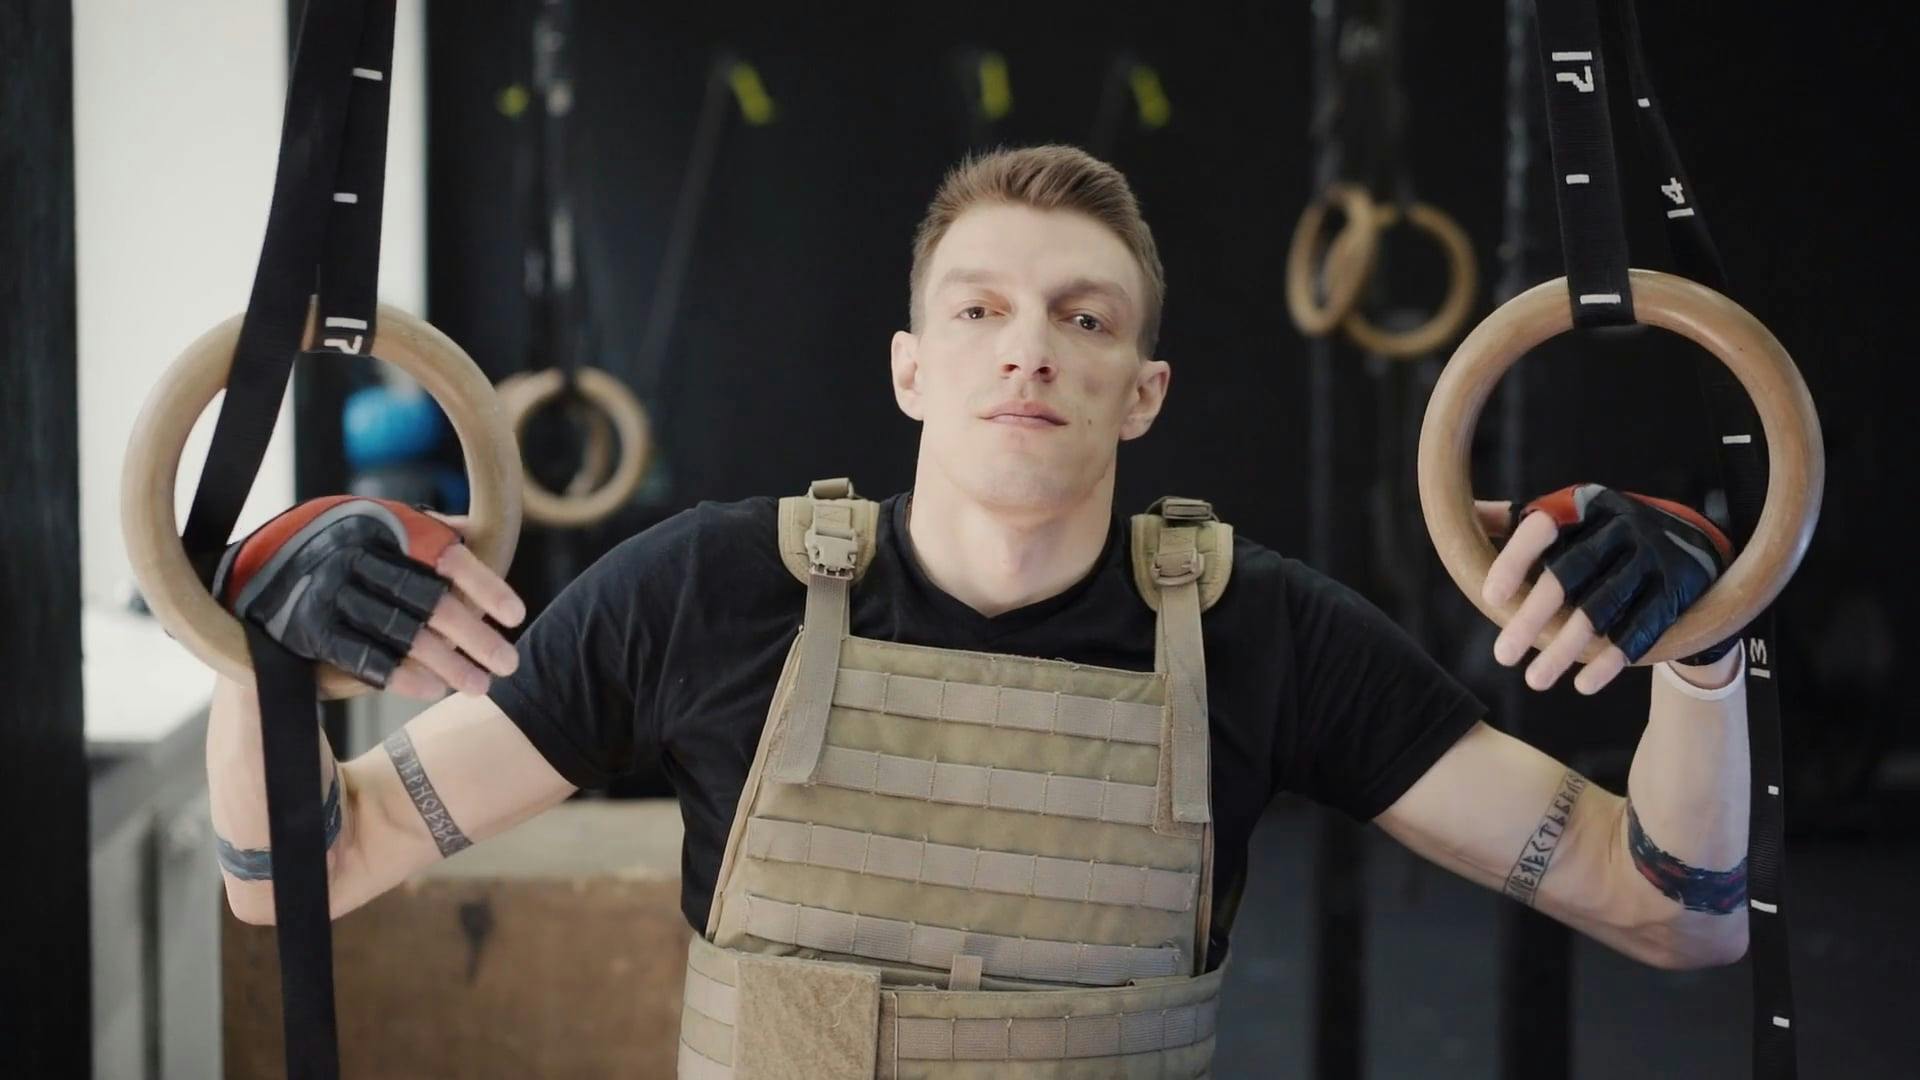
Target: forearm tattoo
1718,892
256,864
446,832
1523,881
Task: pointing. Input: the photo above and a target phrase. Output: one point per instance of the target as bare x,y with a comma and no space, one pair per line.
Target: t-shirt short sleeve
1374,711
583,660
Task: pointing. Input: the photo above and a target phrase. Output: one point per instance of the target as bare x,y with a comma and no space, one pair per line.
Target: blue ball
382,426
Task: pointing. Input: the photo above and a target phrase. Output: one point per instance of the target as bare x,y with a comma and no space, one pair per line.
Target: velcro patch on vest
1022,1038
806,1021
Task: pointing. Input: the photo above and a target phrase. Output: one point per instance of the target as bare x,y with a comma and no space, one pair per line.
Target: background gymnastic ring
167,580
1348,259
1797,460
596,449
525,393
1463,279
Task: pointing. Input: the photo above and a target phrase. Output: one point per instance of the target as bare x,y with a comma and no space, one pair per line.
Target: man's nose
1026,348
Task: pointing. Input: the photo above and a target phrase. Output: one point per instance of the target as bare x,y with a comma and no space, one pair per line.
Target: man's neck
995,561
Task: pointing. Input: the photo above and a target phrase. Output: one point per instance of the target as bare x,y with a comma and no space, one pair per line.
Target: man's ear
1149,394
906,373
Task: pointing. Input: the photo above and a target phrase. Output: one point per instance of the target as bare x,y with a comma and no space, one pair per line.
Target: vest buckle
1177,567
832,553
1175,508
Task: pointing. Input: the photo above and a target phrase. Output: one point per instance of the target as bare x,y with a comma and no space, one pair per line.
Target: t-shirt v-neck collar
899,546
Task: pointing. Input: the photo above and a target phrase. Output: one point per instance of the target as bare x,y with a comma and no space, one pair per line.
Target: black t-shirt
666,651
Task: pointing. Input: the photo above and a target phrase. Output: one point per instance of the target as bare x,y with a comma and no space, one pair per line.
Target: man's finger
411,680
468,632
1494,516
1604,669
1561,653
438,656
1524,628
476,579
1508,572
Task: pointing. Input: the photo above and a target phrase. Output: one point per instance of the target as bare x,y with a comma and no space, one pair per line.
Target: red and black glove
1632,563
343,580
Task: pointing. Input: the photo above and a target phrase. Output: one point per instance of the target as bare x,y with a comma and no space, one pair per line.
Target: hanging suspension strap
321,255
1364,114
323,235
616,438
1593,230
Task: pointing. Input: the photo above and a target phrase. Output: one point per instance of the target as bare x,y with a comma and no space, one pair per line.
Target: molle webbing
983,785
922,838
999,706
905,942
959,867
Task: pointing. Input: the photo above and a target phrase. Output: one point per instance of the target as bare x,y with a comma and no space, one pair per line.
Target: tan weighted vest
952,864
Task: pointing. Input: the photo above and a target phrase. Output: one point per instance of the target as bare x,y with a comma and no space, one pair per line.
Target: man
1003,574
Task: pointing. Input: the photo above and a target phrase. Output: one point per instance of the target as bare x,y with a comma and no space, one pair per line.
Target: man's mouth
1026,414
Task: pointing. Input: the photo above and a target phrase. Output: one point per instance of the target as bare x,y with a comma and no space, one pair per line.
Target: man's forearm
237,795
1683,830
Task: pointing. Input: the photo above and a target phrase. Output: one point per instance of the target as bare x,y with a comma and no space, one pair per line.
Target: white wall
177,110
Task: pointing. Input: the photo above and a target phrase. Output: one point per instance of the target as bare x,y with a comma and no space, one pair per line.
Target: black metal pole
1536,975
1339,938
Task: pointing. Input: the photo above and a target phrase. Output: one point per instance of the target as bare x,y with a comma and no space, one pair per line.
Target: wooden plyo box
554,950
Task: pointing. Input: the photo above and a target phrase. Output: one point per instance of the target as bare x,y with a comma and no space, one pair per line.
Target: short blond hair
1052,177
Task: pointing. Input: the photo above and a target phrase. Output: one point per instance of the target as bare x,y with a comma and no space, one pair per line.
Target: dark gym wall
46,1026
777,368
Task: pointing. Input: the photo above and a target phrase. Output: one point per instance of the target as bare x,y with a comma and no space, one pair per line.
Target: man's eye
1089,322
974,312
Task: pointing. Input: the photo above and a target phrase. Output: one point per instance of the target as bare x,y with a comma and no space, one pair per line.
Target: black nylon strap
347,296
676,261
1593,231
1743,462
1586,185
323,235
290,743
312,129
350,266
1694,252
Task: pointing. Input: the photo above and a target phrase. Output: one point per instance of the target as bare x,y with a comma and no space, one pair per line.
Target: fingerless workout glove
343,580
1631,562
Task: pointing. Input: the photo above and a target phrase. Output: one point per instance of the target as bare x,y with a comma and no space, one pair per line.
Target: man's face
1026,371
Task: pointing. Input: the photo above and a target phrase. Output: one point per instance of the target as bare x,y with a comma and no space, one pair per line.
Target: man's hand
1630,565
379,589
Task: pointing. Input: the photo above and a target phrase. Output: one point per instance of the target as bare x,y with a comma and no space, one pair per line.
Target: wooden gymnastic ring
167,580
526,393
1463,280
1796,456
1345,262
596,449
